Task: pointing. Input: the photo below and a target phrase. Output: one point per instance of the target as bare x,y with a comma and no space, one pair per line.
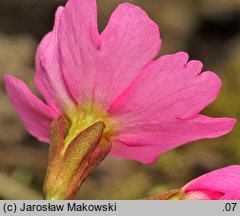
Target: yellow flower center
83,117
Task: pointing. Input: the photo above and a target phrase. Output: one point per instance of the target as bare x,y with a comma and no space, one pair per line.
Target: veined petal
160,109
79,41
225,180
129,42
49,78
35,115
169,88
144,142
98,68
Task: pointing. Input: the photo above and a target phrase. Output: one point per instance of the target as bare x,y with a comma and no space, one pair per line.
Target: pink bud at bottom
181,194
202,195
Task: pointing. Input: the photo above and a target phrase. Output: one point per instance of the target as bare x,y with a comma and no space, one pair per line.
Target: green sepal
69,166
169,195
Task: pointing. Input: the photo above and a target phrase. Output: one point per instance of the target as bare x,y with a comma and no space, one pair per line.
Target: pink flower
221,184
148,106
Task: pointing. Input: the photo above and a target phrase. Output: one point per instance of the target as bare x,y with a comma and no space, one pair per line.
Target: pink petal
128,43
225,180
232,195
49,79
35,115
172,86
98,68
79,41
144,142
203,195
159,110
